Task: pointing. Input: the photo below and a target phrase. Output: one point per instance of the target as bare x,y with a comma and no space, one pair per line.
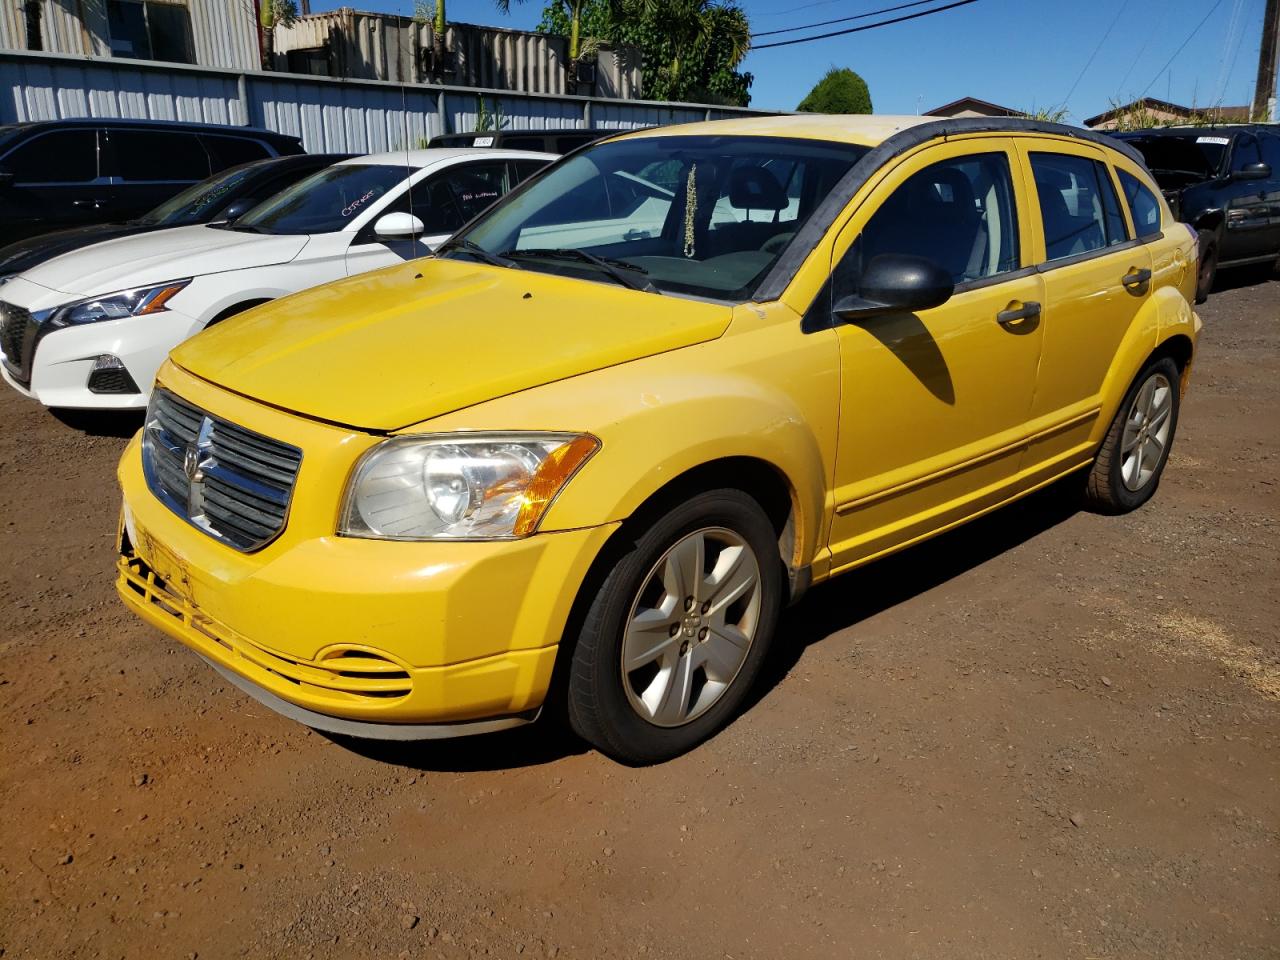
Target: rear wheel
1136,449
1207,270
675,637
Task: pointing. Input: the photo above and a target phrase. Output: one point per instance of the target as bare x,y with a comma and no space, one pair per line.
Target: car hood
398,346
159,256
28,253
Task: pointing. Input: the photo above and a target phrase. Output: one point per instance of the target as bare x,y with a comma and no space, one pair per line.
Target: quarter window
65,156
1142,204
1078,205
958,213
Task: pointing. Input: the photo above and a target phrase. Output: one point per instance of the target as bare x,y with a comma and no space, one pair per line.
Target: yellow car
585,455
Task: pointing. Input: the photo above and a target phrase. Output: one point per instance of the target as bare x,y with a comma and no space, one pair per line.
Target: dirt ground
1050,734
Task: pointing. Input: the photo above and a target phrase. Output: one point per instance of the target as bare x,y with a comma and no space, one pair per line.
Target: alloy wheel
1146,432
691,626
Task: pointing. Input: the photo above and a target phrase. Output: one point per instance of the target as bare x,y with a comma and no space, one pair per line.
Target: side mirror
398,226
237,208
897,283
1253,171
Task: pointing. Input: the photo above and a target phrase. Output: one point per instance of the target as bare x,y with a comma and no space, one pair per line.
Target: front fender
764,391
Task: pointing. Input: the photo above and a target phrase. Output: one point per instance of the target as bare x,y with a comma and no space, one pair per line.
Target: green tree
579,46
426,11
270,14
840,91
689,49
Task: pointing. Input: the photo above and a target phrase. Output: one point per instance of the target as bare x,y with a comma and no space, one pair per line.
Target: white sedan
89,329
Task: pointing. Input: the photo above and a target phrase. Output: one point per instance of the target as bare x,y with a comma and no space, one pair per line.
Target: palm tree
434,12
578,47
688,22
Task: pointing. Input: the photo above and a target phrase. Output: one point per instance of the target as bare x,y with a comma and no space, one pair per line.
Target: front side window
64,156
1245,152
1078,205
1142,204
704,216
197,203
325,202
146,156
958,213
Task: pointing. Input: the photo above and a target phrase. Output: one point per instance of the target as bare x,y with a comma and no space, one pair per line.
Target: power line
868,26
1089,62
860,16
1194,31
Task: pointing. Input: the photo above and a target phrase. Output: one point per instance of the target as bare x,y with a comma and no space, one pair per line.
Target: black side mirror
897,283
235,209
1253,171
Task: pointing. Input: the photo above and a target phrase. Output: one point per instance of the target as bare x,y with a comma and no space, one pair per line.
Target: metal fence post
440,114
242,89
586,114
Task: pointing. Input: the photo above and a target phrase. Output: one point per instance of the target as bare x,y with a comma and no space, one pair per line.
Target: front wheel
675,637
1134,453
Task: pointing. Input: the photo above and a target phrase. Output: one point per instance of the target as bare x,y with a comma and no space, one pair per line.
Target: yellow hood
398,346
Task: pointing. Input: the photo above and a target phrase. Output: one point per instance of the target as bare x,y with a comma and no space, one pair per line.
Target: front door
933,405
1248,233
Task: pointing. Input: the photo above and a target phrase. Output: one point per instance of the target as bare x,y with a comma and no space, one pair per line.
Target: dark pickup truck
1225,182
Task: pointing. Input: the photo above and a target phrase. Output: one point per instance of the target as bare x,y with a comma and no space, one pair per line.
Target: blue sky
1019,53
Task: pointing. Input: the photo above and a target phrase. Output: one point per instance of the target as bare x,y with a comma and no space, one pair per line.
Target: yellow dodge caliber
585,455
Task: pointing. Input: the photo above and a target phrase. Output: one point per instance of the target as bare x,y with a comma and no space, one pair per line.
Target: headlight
462,486
114,306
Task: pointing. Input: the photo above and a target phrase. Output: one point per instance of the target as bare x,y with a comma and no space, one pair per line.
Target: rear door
55,182
150,166
1096,277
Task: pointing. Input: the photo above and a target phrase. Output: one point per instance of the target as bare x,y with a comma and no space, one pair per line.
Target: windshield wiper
627,274
473,248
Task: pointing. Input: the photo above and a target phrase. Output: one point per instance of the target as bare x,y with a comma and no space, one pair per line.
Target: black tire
1106,490
599,705
1207,268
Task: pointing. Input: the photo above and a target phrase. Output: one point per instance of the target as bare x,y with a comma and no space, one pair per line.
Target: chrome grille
230,482
17,340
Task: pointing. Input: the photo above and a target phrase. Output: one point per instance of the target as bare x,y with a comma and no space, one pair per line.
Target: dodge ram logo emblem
191,462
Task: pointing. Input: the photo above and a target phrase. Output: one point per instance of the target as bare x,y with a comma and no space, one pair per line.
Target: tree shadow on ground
836,605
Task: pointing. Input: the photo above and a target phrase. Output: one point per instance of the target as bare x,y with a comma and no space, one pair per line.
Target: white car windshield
326,201
705,216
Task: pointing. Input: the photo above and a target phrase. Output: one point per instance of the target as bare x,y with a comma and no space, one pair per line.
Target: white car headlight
113,306
461,486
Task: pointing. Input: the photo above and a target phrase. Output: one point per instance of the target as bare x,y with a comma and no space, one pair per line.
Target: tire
1207,269
1133,455
684,686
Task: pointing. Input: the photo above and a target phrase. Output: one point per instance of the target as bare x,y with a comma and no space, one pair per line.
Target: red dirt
1050,734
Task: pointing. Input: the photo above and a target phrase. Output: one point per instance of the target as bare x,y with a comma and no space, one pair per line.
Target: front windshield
1179,160
201,202
704,216
325,202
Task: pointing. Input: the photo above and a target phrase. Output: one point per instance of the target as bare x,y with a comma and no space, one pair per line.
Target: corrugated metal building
210,33
351,44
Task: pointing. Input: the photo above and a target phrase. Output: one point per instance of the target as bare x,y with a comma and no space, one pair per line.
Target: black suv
1225,182
222,197
64,173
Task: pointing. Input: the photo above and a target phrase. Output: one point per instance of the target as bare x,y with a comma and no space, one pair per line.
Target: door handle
88,203
1136,278
1013,316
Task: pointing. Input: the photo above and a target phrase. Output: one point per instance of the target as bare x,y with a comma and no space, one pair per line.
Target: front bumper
64,359
374,632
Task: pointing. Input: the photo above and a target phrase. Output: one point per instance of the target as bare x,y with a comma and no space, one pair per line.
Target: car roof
1189,130
531,132
176,125
868,130
428,156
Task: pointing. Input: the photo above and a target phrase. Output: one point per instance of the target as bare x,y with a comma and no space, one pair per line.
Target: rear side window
229,151
158,155
958,213
1142,204
524,169
1078,205
65,156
